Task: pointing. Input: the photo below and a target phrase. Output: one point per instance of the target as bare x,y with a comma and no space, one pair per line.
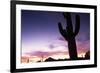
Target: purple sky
40,33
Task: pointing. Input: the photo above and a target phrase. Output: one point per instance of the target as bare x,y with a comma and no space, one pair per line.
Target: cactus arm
62,31
77,25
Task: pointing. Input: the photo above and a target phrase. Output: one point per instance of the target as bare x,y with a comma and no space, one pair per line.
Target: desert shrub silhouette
69,35
87,55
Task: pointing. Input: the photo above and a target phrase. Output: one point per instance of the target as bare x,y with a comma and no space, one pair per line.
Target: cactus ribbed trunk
72,48
69,35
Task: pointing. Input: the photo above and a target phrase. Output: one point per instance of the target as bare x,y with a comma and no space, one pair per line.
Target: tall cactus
69,34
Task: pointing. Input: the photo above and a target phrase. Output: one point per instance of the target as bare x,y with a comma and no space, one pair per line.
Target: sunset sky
41,37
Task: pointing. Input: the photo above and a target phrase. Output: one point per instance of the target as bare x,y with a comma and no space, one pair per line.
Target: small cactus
69,35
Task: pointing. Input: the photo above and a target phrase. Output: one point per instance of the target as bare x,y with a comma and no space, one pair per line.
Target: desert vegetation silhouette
85,57
69,35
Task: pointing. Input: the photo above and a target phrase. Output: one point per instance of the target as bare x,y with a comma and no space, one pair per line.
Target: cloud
51,46
61,39
58,44
43,53
83,46
84,37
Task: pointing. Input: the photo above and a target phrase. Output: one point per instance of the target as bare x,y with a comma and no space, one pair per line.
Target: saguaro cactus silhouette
69,34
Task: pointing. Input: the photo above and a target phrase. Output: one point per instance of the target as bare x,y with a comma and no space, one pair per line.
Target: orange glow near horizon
34,59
